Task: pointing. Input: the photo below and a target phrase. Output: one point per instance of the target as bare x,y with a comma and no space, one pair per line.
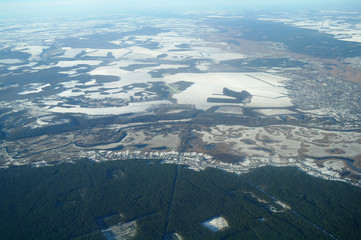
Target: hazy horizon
43,8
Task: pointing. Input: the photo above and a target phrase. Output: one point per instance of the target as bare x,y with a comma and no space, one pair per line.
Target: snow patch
134,107
10,61
121,231
65,64
35,88
272,112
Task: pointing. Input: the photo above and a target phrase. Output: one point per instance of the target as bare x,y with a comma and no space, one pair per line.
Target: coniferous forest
78,201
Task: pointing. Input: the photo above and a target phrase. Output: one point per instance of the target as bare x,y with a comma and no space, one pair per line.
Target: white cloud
18,8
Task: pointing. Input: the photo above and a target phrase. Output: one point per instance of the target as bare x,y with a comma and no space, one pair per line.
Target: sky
48,8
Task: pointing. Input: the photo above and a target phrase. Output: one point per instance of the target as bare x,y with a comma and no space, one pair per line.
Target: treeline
77,122
298,40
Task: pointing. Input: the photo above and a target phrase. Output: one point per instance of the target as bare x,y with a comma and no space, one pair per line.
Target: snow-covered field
35,51
72,63
267,89
35,88
71,53
117,53
10,61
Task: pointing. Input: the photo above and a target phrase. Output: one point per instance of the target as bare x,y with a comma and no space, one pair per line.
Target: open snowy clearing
331,167
229,110
151,139
336,165
120,231
216,224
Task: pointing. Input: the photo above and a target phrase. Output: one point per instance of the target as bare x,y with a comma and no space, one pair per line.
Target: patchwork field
224,92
